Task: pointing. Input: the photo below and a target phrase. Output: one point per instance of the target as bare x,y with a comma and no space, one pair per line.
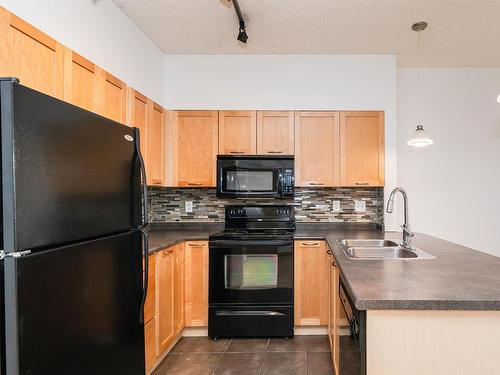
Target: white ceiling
460,33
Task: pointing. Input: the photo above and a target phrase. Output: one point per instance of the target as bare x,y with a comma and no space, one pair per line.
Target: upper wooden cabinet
237,132
196,284
362,148
138,116
275,132
194,135
155,145
30,55
112,101
317,149
81,81
311,283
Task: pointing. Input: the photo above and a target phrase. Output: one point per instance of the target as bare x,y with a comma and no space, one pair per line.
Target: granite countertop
459,278
163,236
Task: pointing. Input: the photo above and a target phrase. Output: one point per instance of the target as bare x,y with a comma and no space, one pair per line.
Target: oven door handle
245,243
248,313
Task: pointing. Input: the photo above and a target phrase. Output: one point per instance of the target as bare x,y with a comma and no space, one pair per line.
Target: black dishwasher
357,324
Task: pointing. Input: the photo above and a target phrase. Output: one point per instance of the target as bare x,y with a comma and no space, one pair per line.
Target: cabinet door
155,145
112,102
317,149
362,148
196,284
275,132
333,316
237,132
166,271
81,81
138,116
30,55
311,283
194,135
150,304
179,289
150,344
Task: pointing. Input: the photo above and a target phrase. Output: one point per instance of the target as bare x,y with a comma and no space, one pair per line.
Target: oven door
249,178
251,272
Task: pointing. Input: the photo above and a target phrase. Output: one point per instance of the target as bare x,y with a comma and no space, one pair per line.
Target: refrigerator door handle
143,175
145,257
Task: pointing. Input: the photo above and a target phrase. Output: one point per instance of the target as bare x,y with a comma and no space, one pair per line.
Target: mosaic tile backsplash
311,205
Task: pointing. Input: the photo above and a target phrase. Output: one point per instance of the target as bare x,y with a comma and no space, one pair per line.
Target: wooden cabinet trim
32,32
115,81
83,62
139,96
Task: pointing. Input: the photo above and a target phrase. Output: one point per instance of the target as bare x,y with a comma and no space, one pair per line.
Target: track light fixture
242,35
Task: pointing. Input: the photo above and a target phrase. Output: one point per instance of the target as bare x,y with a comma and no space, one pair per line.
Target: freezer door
75,309
68,174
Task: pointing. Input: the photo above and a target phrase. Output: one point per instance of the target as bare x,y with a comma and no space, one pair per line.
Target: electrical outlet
336,206
359,206
189,206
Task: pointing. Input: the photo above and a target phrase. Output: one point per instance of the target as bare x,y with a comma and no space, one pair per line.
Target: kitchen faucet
407,233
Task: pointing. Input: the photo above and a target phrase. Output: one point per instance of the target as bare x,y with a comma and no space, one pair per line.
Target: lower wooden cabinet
165,312
334,310
149,315
311,283
196,284
179,289
150,344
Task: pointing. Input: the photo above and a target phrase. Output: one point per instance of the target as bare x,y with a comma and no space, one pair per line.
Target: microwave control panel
288,183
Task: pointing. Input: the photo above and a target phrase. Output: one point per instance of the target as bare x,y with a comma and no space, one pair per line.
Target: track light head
243,36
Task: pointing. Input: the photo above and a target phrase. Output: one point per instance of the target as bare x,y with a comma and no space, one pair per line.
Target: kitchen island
422,316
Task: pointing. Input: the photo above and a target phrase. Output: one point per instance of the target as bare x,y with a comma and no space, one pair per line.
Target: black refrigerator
73,218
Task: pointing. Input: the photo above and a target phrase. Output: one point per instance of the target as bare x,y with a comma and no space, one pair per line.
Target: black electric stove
251,273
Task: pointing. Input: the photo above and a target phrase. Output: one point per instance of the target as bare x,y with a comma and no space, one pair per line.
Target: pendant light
498,98
419,138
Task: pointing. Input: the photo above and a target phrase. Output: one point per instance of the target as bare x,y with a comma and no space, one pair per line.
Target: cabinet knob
194,183
236,152
275,152
316,183
362,183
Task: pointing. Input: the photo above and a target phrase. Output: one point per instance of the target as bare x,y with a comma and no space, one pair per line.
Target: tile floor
304,355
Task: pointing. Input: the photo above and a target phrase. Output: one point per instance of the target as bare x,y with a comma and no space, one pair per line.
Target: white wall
454,185
288,82
102,34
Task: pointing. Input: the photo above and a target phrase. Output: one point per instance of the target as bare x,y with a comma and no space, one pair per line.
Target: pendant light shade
420,138
498,98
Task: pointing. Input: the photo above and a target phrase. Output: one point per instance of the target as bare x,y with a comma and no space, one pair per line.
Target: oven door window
248,180
251,271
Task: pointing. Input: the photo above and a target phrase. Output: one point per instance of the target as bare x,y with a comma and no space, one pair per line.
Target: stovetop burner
258,222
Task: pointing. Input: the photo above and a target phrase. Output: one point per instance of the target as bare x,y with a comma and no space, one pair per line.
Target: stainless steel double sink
359,249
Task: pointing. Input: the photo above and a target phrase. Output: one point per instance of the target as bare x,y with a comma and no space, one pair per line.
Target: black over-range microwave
255,176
